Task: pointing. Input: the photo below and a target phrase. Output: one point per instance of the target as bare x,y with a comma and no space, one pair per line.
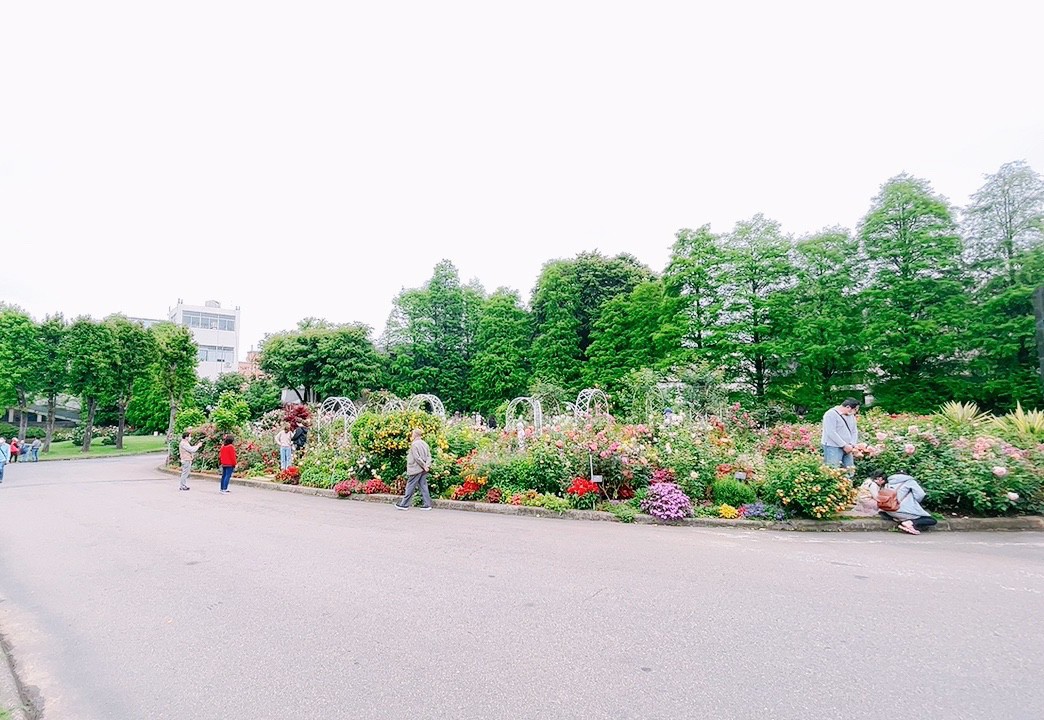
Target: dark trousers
226,475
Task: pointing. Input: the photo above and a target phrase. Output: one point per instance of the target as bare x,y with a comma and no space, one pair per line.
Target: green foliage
567,302
92,349
430,337
262,395
964,417
134,352
916,307
627,335
173,371
323,360
21,357
1021,426
188,418
733,492
694,285
231,412
499,367
624,512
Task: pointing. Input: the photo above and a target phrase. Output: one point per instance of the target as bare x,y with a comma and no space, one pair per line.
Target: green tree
567,302
262,395
755,267
21,360
134,350
174,367
627,336
149,407
231,412
1005,227
693,284
915,302
54,368
820,321
499,366
92,349
430,337
323,360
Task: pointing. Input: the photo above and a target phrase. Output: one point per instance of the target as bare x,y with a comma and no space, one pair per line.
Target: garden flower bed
719,467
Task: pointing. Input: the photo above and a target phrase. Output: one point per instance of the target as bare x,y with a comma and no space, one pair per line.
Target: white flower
1000,471
1013,496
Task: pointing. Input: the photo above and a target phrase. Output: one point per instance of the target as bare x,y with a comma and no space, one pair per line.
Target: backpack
887,500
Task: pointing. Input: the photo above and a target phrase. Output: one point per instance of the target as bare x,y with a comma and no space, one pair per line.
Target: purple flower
667,501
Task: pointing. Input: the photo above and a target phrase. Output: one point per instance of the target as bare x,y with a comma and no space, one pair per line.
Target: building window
214,353
208,321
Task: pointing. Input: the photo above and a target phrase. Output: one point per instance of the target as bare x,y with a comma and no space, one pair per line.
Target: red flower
582,486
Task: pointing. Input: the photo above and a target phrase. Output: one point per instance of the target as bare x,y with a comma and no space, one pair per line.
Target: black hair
850,403
185,434
229,440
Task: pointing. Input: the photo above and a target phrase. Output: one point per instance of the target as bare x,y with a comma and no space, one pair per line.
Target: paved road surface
125,599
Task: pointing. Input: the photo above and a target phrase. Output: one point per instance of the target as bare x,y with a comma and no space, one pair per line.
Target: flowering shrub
471,488
660,475
347,487
667,501
783,439
494,495
375,486
761,511
583,493
296,414
728,512
385,439
290,476
803,484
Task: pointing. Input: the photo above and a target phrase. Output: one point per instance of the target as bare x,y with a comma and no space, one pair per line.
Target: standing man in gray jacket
840,434
186,453
418,464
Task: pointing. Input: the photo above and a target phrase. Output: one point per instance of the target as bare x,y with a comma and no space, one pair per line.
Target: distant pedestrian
5,456
300,436
187,453
286,446
34,449
840,434
14,450
418,465
227,460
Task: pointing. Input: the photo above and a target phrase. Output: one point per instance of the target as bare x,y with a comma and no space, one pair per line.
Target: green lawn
132,445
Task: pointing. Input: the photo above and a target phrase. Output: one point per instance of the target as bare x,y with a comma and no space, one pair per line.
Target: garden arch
512,412
417,402
338,410
591,401
384,402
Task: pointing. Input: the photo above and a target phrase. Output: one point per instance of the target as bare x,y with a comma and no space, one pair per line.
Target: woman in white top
286,446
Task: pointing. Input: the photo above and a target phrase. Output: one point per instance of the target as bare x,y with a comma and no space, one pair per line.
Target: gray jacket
419,458
910,494
839,430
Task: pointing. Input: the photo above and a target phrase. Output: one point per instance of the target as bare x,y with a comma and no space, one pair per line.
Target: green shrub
733,492
188,418
624,512
231,413
385,439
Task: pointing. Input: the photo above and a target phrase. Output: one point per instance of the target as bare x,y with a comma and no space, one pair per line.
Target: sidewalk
872,524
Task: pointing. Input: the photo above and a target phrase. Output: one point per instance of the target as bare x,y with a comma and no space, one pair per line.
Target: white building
216,332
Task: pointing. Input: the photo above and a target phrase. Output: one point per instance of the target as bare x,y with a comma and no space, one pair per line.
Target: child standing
227,459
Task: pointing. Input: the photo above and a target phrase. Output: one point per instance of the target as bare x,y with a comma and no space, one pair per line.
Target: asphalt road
125,599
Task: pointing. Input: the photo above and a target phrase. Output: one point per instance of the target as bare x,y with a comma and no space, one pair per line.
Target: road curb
867,524
11,698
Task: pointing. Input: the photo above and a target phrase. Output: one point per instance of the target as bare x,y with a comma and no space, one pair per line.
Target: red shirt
227,458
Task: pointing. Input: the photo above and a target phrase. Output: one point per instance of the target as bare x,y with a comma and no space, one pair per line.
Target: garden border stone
854,524
11,696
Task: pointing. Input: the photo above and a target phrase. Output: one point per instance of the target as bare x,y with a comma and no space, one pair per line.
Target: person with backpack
300,436
840,434
899,498
227,460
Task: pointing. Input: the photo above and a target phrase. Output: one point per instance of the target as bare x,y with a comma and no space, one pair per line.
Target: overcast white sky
311,158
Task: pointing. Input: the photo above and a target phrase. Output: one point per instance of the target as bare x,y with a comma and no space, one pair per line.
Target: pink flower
909,448
1013,496
1000,471
881,436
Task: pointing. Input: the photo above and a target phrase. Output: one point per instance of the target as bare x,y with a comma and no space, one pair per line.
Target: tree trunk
121,426
52,402
23,416
92,405
170,426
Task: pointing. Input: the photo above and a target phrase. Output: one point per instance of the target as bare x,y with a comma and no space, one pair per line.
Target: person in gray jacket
418,465
911,518
840,434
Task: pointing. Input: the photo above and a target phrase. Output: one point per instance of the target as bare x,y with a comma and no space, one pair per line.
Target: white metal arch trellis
591,401
417,402
338,409
534,404
385,403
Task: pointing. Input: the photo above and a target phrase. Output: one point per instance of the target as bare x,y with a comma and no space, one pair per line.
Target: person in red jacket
16,450
227,459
